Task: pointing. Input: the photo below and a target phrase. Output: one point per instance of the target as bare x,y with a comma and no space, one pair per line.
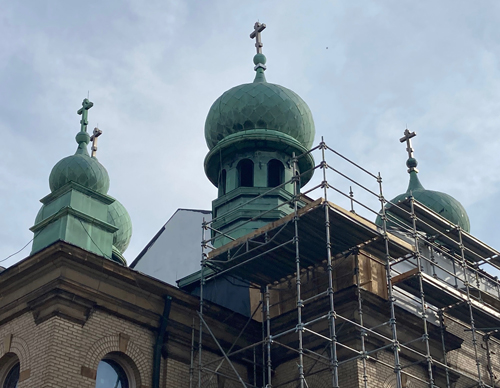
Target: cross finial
257,29
411,163
84,111
407,138
97,132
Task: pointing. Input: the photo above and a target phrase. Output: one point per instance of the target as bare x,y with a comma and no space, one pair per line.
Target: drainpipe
159,342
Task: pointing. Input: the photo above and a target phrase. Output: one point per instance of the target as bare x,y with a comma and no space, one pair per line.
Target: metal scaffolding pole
202,284
268,340
264,337
362,332
331,313
422,294
298,282
191,367
395,343
472,324
445,356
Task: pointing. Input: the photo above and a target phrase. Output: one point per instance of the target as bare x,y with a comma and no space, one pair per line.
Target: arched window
245,173
111,374
9,371
12,377
222,182
275,173
116,370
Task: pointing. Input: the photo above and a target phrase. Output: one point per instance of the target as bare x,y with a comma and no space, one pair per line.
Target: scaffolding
433,293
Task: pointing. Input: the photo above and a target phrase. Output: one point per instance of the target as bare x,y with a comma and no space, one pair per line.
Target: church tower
78,209
253,132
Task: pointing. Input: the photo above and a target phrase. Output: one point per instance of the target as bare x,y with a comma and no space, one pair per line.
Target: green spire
414,184
260,66
411,163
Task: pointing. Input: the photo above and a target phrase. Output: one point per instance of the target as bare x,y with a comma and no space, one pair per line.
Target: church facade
294,290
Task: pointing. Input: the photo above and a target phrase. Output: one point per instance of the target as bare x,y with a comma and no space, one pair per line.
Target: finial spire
411,162
257,29
97,132
84,112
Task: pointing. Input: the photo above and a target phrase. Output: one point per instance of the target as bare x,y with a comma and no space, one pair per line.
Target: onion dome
259,115
80,168
441,203
119,217
259,105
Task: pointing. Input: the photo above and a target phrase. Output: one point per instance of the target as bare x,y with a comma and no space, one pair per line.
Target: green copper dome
259,105
80,168
443,204
119,217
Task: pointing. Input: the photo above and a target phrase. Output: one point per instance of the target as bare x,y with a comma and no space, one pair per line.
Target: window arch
116,370
9,371
222,182
245,173
275,173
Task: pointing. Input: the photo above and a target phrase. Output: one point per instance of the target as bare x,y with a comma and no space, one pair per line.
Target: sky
367,70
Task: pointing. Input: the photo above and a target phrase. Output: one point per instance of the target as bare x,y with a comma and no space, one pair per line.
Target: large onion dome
259,105
443,204
80,168
259,115
119,217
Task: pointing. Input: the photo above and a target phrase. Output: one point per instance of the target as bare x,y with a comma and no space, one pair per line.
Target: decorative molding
116,343
89,373
7,342
24,375
123,342
63,304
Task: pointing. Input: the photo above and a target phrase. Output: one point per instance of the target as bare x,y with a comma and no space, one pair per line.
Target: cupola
252,132
79,210
441,203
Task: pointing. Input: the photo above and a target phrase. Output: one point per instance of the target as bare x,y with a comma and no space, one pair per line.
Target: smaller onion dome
443,204
119,217
259,105
80,168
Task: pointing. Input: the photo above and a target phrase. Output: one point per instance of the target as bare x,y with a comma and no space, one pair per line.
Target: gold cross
97,132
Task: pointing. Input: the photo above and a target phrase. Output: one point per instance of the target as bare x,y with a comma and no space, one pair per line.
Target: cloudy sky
153,68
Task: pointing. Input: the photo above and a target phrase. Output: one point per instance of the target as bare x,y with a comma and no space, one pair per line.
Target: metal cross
84,111
258,28
97,132
407,138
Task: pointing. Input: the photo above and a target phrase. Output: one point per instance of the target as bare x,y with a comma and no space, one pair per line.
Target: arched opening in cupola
245,173
222,182
275,173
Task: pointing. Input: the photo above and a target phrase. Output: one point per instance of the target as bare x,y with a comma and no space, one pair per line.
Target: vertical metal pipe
191,368
472,324
268,340
486,339
264,320
331,314
454,271
421,290
392,321
362,331
443,343
433,261
202,284
300,328
254,366
351,194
